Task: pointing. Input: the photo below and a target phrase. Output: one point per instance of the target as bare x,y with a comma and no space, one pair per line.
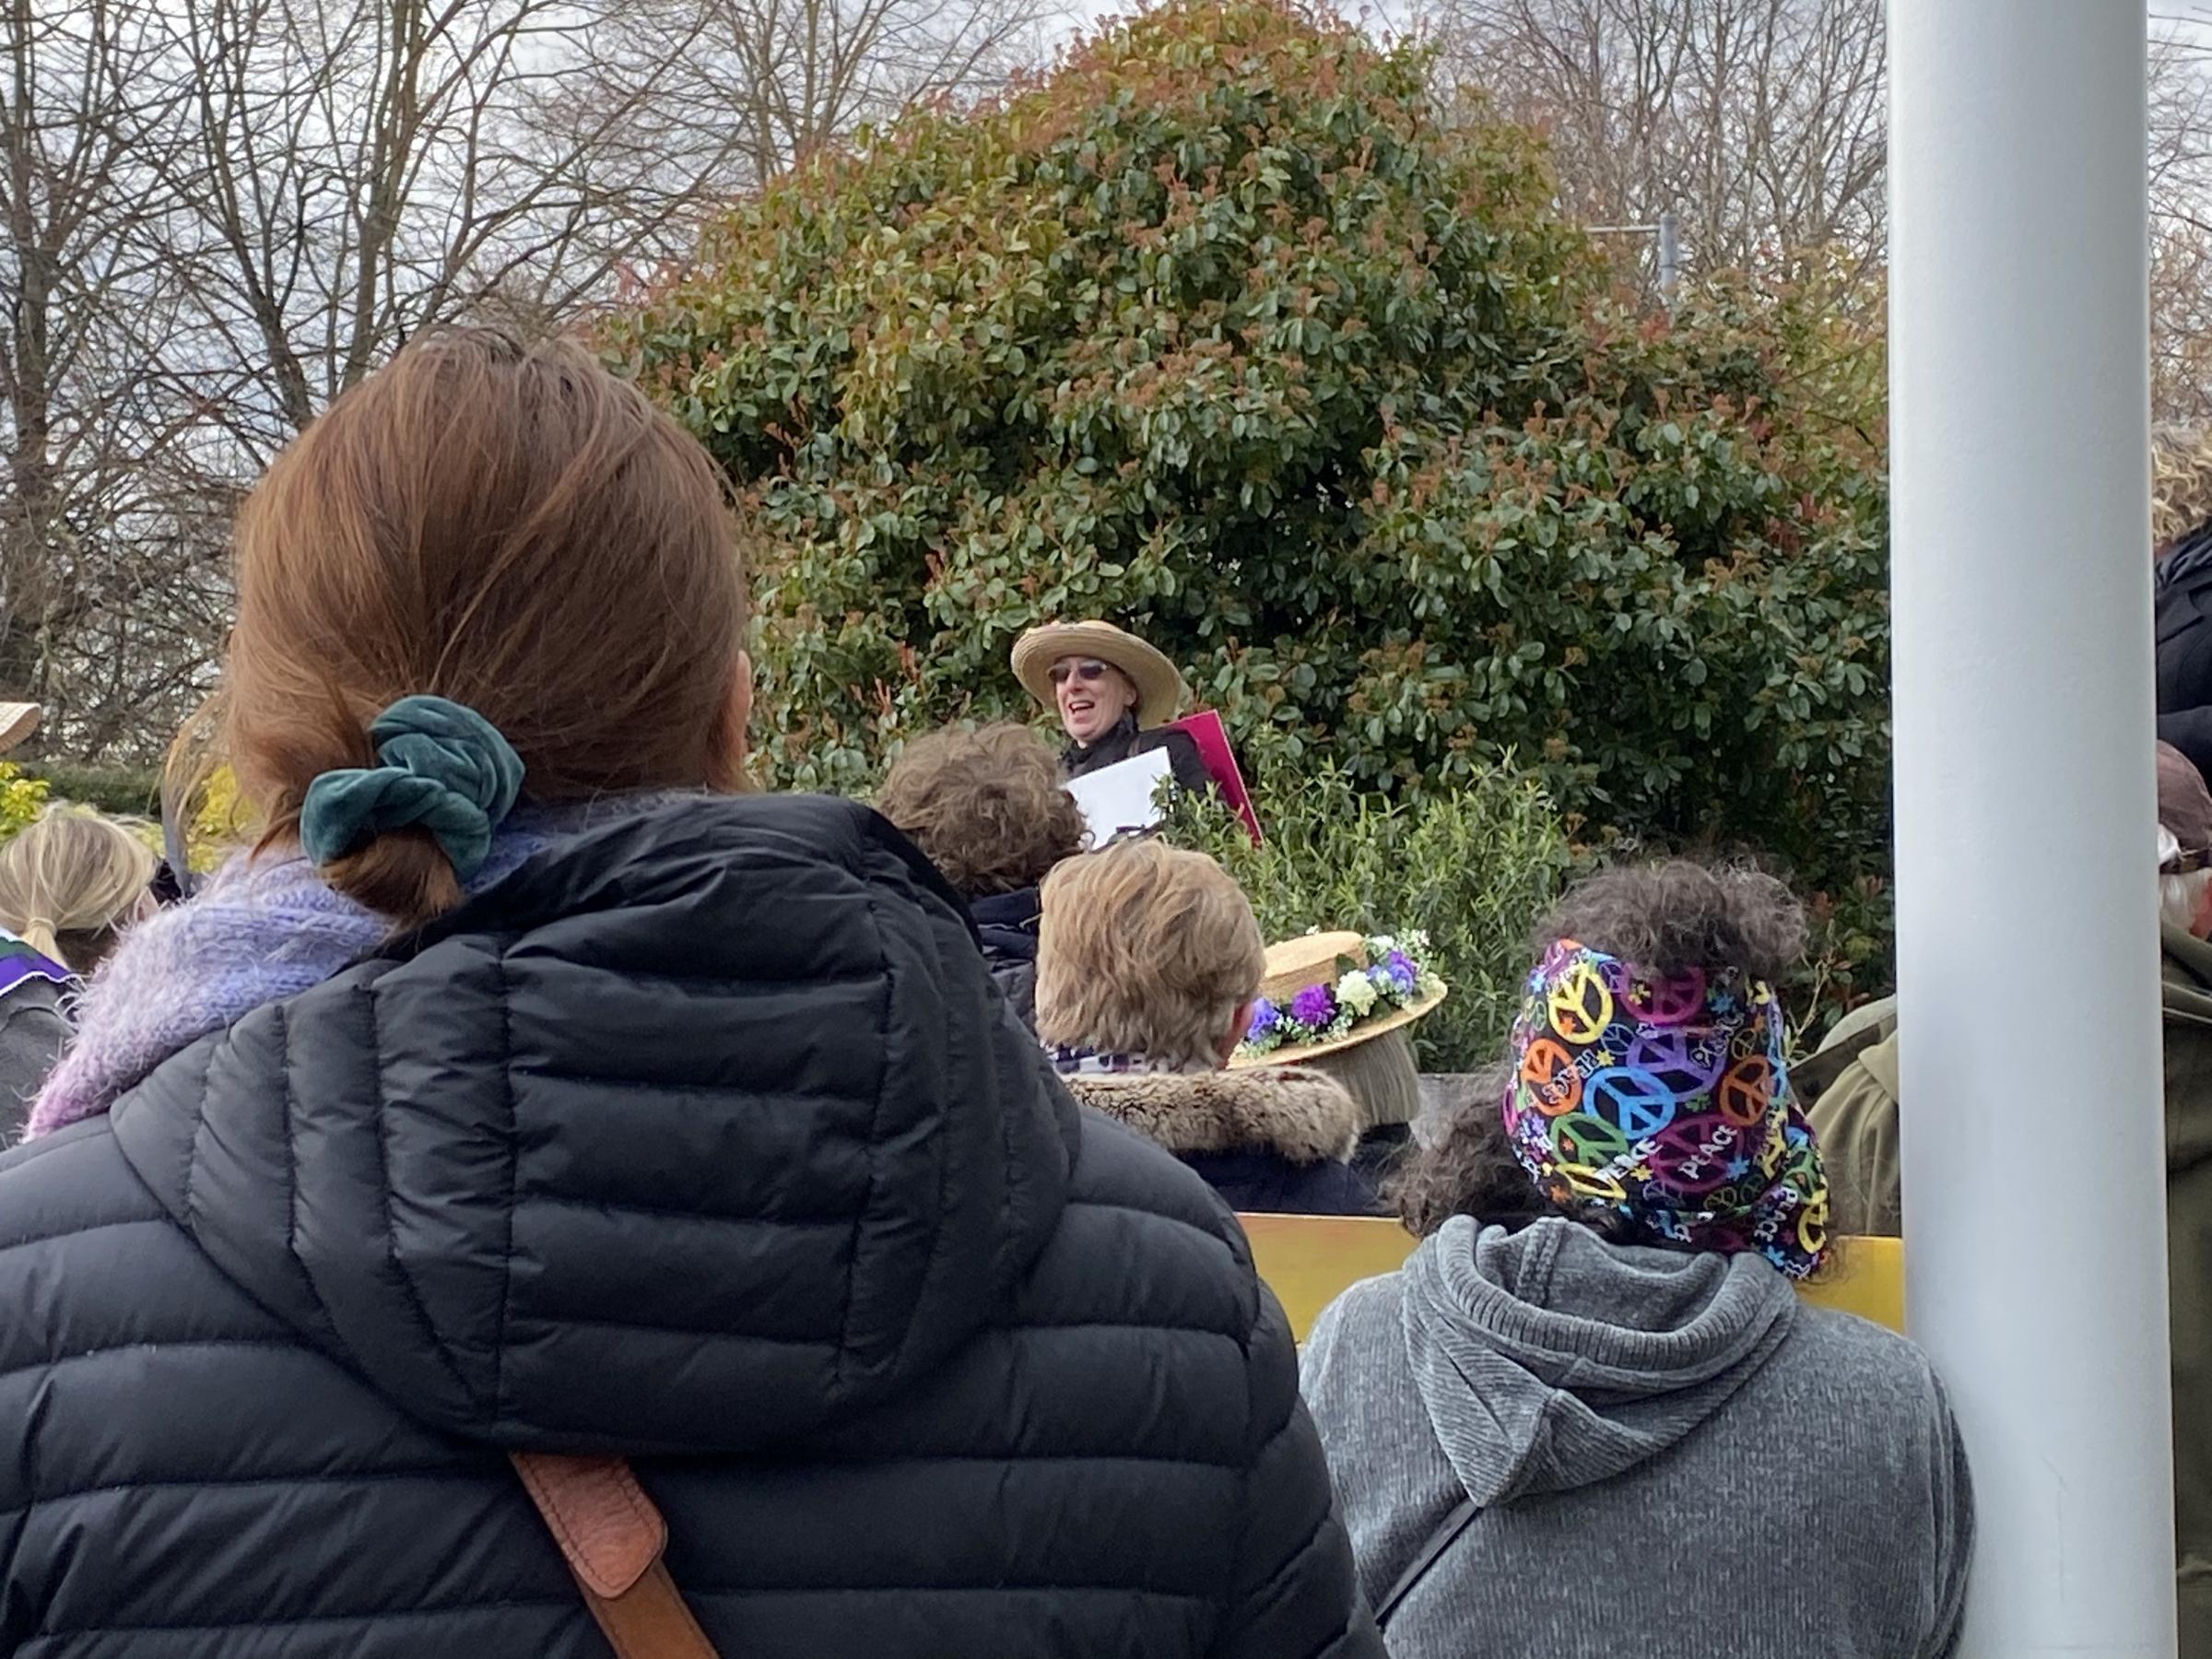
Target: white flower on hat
1356,992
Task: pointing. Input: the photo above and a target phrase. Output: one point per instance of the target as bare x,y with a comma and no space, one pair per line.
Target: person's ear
1237,1029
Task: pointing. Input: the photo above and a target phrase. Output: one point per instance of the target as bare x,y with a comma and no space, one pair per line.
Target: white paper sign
1120,797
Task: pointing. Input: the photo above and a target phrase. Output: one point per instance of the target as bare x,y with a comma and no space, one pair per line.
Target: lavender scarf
264,929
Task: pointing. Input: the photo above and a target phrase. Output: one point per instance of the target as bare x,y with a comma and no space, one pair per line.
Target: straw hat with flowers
1328,991
1160,688
18,722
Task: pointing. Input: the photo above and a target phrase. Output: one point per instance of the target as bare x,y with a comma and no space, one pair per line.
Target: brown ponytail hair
508,526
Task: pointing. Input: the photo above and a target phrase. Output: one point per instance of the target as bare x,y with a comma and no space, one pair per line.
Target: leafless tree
787,76
354,170
1759,123
216,214
101,535
2181,204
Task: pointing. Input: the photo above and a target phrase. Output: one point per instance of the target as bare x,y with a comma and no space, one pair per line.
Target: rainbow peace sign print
1667,1100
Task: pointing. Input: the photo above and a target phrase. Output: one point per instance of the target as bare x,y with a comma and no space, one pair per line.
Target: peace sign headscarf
1668,1103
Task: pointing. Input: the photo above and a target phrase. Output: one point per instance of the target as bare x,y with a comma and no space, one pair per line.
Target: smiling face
1091,696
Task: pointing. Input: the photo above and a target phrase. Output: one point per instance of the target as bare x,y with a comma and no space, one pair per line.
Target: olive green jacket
1854,1116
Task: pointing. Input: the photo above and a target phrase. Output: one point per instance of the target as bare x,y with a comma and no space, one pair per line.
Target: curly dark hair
1669,917
1663,918
987,806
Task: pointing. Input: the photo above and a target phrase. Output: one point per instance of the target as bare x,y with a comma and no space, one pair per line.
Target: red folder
1206,731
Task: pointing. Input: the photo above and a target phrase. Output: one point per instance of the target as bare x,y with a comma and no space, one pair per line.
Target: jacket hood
1298,1114
1007,924
702,1130
1548,1359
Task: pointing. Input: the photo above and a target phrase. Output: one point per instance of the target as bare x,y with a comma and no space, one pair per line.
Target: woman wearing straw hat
1114,694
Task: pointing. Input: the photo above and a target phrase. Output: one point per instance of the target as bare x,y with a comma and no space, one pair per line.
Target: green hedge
126,791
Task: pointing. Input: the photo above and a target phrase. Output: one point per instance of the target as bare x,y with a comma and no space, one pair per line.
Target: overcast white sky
2194,11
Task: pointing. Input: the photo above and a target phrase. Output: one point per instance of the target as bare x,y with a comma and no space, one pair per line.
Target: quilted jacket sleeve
1296,1596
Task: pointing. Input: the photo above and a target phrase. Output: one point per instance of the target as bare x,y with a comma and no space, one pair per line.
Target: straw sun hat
18,720
1159,686
1322,959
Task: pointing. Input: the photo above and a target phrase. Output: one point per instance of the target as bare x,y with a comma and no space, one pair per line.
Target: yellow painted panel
1865,1277
1308,1261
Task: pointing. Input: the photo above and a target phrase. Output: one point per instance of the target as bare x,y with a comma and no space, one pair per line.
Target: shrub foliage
1472,869
1218,331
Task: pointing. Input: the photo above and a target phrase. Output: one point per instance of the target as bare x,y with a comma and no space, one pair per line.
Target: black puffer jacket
699,1138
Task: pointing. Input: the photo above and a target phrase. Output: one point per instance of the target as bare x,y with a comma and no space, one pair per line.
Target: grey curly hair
1678,914
1663,918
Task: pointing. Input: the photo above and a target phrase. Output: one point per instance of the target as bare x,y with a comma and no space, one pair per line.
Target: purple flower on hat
1266,1016
1402,973
1314,1006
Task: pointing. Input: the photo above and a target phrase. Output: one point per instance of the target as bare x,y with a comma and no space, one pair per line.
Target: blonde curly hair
2180,481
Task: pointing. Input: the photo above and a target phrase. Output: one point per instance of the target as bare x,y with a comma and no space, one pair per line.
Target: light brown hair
68,882
1144,949
987,806
506,525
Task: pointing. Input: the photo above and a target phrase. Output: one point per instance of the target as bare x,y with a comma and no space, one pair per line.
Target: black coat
2184,648
1125,742
700,1138
1256,1183
1006,925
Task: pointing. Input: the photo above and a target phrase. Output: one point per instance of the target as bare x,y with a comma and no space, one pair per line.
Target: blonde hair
1381,1073
1144,949
2180,481
70,880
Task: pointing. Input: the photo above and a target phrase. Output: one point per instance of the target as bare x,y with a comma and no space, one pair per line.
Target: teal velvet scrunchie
443,767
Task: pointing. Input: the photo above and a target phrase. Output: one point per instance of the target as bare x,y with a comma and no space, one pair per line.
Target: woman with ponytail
532,1148
69,881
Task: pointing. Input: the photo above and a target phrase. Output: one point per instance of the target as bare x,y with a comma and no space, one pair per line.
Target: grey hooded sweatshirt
1670,1453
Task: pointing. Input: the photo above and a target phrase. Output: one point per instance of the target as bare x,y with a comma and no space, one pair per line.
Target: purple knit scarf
264,929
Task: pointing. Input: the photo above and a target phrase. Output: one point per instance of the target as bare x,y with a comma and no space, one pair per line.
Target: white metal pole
2033,1155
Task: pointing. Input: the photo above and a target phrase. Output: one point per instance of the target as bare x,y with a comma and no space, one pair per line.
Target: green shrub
22,799
123,791
1473,867
1220,333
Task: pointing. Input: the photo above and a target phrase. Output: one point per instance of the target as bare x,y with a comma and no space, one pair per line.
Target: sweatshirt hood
701,1131
1548,1359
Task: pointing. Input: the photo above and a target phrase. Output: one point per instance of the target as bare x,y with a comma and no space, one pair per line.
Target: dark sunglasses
1082,669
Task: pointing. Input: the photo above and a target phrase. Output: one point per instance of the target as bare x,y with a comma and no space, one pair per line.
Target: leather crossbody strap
612,1536
1446,1535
